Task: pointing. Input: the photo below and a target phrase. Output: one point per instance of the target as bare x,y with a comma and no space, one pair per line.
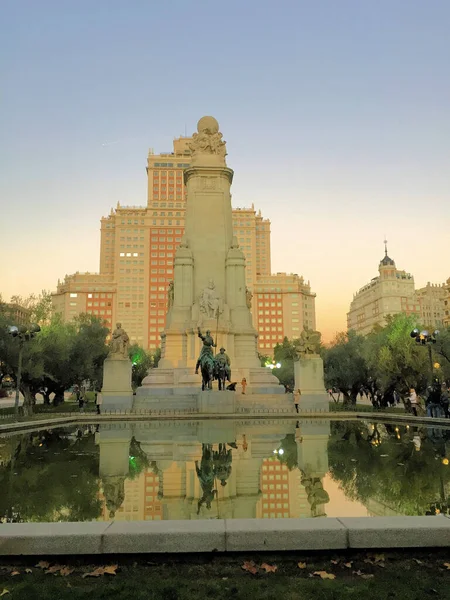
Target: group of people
435,404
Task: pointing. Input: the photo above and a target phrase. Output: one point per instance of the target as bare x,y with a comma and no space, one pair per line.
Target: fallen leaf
224,578
358,572
28,570
65,571
301,565
384,455
447,565
54,569
419,562
367,576
14,573
269,568
250,567
96,573
110,570
369,561
43,564
5,591
348,565
324,575
378,557
335,562
380,564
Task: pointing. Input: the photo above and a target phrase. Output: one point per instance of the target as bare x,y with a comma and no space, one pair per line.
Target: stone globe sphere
208,123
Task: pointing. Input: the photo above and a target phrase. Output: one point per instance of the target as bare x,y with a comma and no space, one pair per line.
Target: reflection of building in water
140,500
282,494
255,483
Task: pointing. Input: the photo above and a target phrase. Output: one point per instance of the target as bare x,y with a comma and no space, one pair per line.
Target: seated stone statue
208,345
119,342
223,359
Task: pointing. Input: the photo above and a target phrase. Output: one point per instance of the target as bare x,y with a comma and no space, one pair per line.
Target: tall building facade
431,302
391,293
446,302
86,293
137,248
15,313
283,305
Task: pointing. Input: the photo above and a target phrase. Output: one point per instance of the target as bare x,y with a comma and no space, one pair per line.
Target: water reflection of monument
205,470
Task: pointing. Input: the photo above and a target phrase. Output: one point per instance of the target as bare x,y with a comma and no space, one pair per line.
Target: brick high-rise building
137,250
283,305
138,245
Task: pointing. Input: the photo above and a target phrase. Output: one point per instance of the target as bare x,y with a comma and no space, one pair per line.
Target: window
73,295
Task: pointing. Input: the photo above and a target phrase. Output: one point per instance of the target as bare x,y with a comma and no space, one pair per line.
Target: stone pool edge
236,535
333,416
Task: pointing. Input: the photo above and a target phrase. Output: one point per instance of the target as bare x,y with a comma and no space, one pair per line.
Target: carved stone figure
119,342
208,140
209,301
248,297
309,342
170,295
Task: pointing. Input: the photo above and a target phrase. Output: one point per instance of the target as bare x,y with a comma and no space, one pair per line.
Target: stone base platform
213,402
181,381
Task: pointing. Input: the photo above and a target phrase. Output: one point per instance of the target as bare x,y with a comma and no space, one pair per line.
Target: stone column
209,228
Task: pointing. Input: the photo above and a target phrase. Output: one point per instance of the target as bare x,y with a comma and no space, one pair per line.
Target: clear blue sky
336,114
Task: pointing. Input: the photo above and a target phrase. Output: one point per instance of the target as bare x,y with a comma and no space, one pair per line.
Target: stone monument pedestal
215,402
117,393
308,375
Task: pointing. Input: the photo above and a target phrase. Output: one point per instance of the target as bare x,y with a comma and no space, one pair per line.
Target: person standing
98,401
414,401
297,395
244,384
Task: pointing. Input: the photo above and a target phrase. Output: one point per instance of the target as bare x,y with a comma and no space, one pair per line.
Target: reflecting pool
224,469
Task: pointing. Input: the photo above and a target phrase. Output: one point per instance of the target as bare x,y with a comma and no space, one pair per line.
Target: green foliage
345,365
40,306
141,362
61,355
285,354
385,360
138,459
394,359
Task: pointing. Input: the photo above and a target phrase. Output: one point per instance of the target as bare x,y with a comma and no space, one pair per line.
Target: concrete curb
94,419
239,535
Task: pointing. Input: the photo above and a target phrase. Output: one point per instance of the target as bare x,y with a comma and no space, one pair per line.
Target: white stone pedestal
308,375
215,402
117,393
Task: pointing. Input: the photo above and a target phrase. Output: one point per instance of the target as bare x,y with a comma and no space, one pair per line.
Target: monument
209,290
308,373
117,393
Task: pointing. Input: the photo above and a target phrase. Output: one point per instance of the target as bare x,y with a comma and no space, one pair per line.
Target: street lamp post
425,338
23,333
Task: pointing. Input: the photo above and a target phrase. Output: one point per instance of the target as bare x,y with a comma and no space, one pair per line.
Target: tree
345,365
141,362
40,307
61,355
285,354
395,359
